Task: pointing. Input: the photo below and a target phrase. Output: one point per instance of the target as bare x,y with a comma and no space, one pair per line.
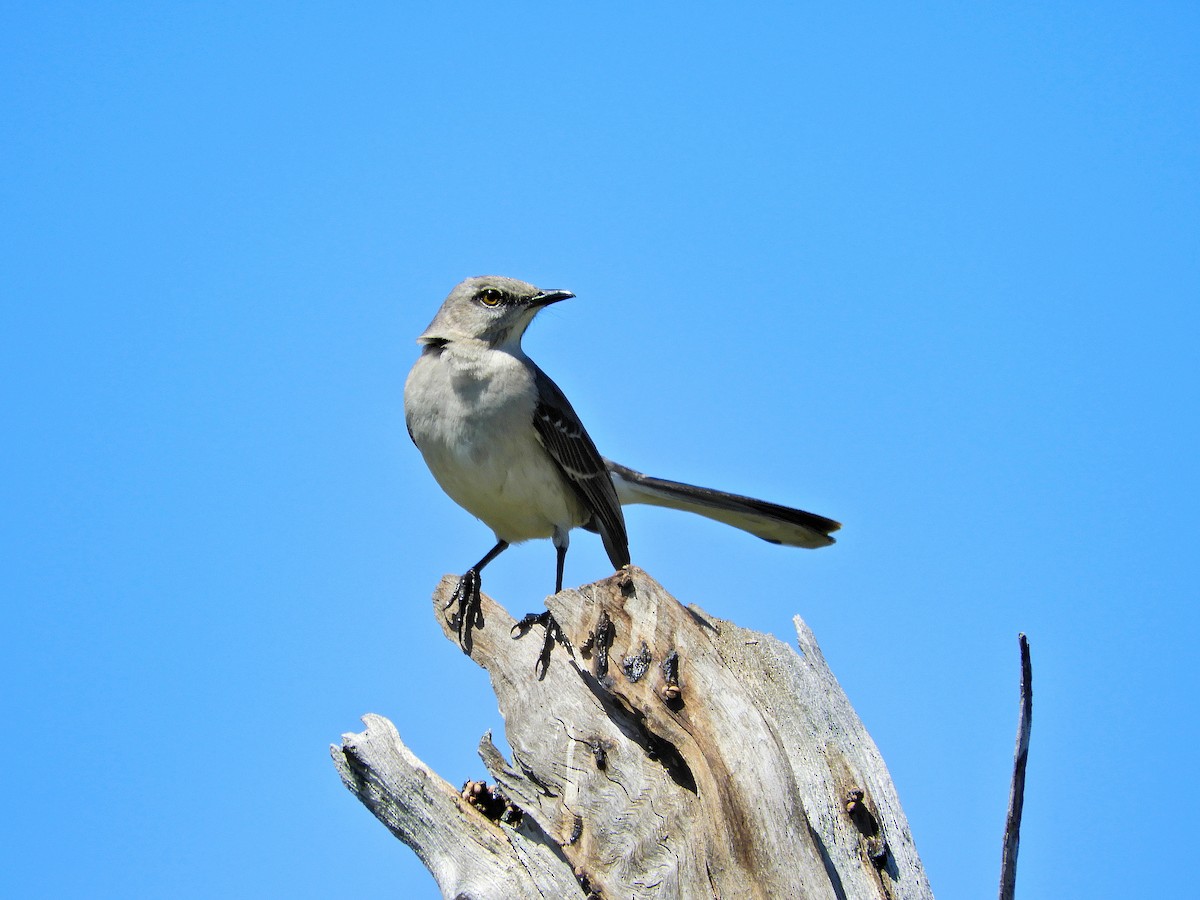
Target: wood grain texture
698,760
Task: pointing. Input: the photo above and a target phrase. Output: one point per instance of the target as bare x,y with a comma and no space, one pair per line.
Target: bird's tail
769,521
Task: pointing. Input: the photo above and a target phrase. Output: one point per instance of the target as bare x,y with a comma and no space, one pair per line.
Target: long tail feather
769,521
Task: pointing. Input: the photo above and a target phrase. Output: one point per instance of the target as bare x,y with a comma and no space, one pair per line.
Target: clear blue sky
931,270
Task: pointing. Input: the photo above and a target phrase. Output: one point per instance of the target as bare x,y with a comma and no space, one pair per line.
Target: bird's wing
567,442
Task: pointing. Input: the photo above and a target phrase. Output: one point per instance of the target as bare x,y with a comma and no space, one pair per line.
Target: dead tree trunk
675,755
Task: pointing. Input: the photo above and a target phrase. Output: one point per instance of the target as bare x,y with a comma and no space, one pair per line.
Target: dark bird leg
561,552
466,598
554,633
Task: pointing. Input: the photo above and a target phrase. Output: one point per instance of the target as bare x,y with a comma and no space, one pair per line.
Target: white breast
470,411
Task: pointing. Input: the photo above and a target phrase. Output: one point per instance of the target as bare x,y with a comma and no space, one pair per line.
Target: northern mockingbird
503,441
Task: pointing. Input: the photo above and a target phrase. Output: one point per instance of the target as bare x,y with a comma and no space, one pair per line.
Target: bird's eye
489,297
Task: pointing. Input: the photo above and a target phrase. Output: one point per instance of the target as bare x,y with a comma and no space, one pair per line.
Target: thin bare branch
1016,795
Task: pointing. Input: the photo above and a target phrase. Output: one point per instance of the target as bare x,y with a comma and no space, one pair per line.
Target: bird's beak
545,298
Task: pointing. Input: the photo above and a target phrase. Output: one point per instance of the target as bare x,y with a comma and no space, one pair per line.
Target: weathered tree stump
674,755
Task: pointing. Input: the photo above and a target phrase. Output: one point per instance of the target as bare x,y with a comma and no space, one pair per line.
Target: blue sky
930,270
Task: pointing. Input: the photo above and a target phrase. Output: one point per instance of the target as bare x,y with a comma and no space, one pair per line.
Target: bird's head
489,308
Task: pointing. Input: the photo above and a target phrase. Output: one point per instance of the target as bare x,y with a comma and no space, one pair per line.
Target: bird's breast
472,420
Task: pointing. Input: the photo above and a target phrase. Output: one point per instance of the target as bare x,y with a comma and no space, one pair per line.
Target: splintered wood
668,754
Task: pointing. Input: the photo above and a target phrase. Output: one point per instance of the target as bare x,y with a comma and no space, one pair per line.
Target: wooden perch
675,755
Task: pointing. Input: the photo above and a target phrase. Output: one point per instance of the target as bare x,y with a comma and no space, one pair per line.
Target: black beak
545,298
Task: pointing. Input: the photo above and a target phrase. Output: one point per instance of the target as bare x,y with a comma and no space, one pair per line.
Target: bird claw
554,635
468,614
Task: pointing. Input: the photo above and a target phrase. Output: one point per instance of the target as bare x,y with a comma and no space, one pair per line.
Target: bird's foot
554,635
467,613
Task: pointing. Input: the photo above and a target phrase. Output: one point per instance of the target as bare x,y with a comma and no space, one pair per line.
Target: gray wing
567,442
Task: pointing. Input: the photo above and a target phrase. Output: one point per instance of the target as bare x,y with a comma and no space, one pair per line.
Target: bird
503,442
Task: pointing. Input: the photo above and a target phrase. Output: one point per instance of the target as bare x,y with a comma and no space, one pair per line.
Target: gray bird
504,443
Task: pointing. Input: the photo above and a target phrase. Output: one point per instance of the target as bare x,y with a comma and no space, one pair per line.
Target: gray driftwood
680,756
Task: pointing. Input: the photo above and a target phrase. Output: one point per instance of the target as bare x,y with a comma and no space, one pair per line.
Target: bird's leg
554,633
465,596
